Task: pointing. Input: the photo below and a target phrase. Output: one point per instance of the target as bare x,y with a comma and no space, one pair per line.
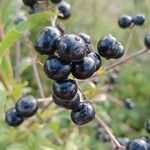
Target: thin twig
108,131
126,59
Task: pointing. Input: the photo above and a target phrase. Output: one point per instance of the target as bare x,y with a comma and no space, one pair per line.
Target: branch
108,131
123,61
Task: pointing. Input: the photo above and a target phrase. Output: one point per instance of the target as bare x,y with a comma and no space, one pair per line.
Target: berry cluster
63,8
126,21
25,107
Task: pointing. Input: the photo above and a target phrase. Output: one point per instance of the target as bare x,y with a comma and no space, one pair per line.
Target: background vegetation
96,18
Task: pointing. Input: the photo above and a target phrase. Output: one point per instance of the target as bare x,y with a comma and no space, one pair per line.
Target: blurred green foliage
97,18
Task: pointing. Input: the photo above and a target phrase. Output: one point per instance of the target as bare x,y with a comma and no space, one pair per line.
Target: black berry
137,144
27,106
29,3
83,114
56,1
84,69
64,10
89,48
46,41
85,37
125,21
69,103
57,69
147,126
12,118
139,19
107,47
97,59
129,103
147,40
120,51
66,89
72,48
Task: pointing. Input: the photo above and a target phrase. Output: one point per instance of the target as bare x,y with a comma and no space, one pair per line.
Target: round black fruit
66,89
46,41
107,46
83,114
147,126
57,69
125,21
64,10
72,48
129,103
27,106
12,118
139,19
68,104
147,40
29,3
85,37
84,69
56,1
96,57
138,144
120,51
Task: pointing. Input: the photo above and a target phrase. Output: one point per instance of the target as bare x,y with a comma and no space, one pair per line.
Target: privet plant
72,60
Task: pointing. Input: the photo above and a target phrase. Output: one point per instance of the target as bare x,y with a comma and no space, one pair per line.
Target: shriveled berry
147,40
125,21
85,37
137,144
66,89
89,48
72,48
97,59
68,104
29,3
139,19
46,41
147,126
56,1
27,106
83,114
107,46
129,103
57,69
123,141
64,10
84,69
12,118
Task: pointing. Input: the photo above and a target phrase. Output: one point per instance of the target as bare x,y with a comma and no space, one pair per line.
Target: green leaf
18,31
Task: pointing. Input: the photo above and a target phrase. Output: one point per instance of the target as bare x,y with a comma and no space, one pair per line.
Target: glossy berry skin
46,41
96,57
27,106
29,3
71,48
84,69
57,69
12,118
56,1
125,21
120,51
147,40
147,126
129,103
137,144
139,19
66,89
85,37
83,114
107,47
64,10
68,104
